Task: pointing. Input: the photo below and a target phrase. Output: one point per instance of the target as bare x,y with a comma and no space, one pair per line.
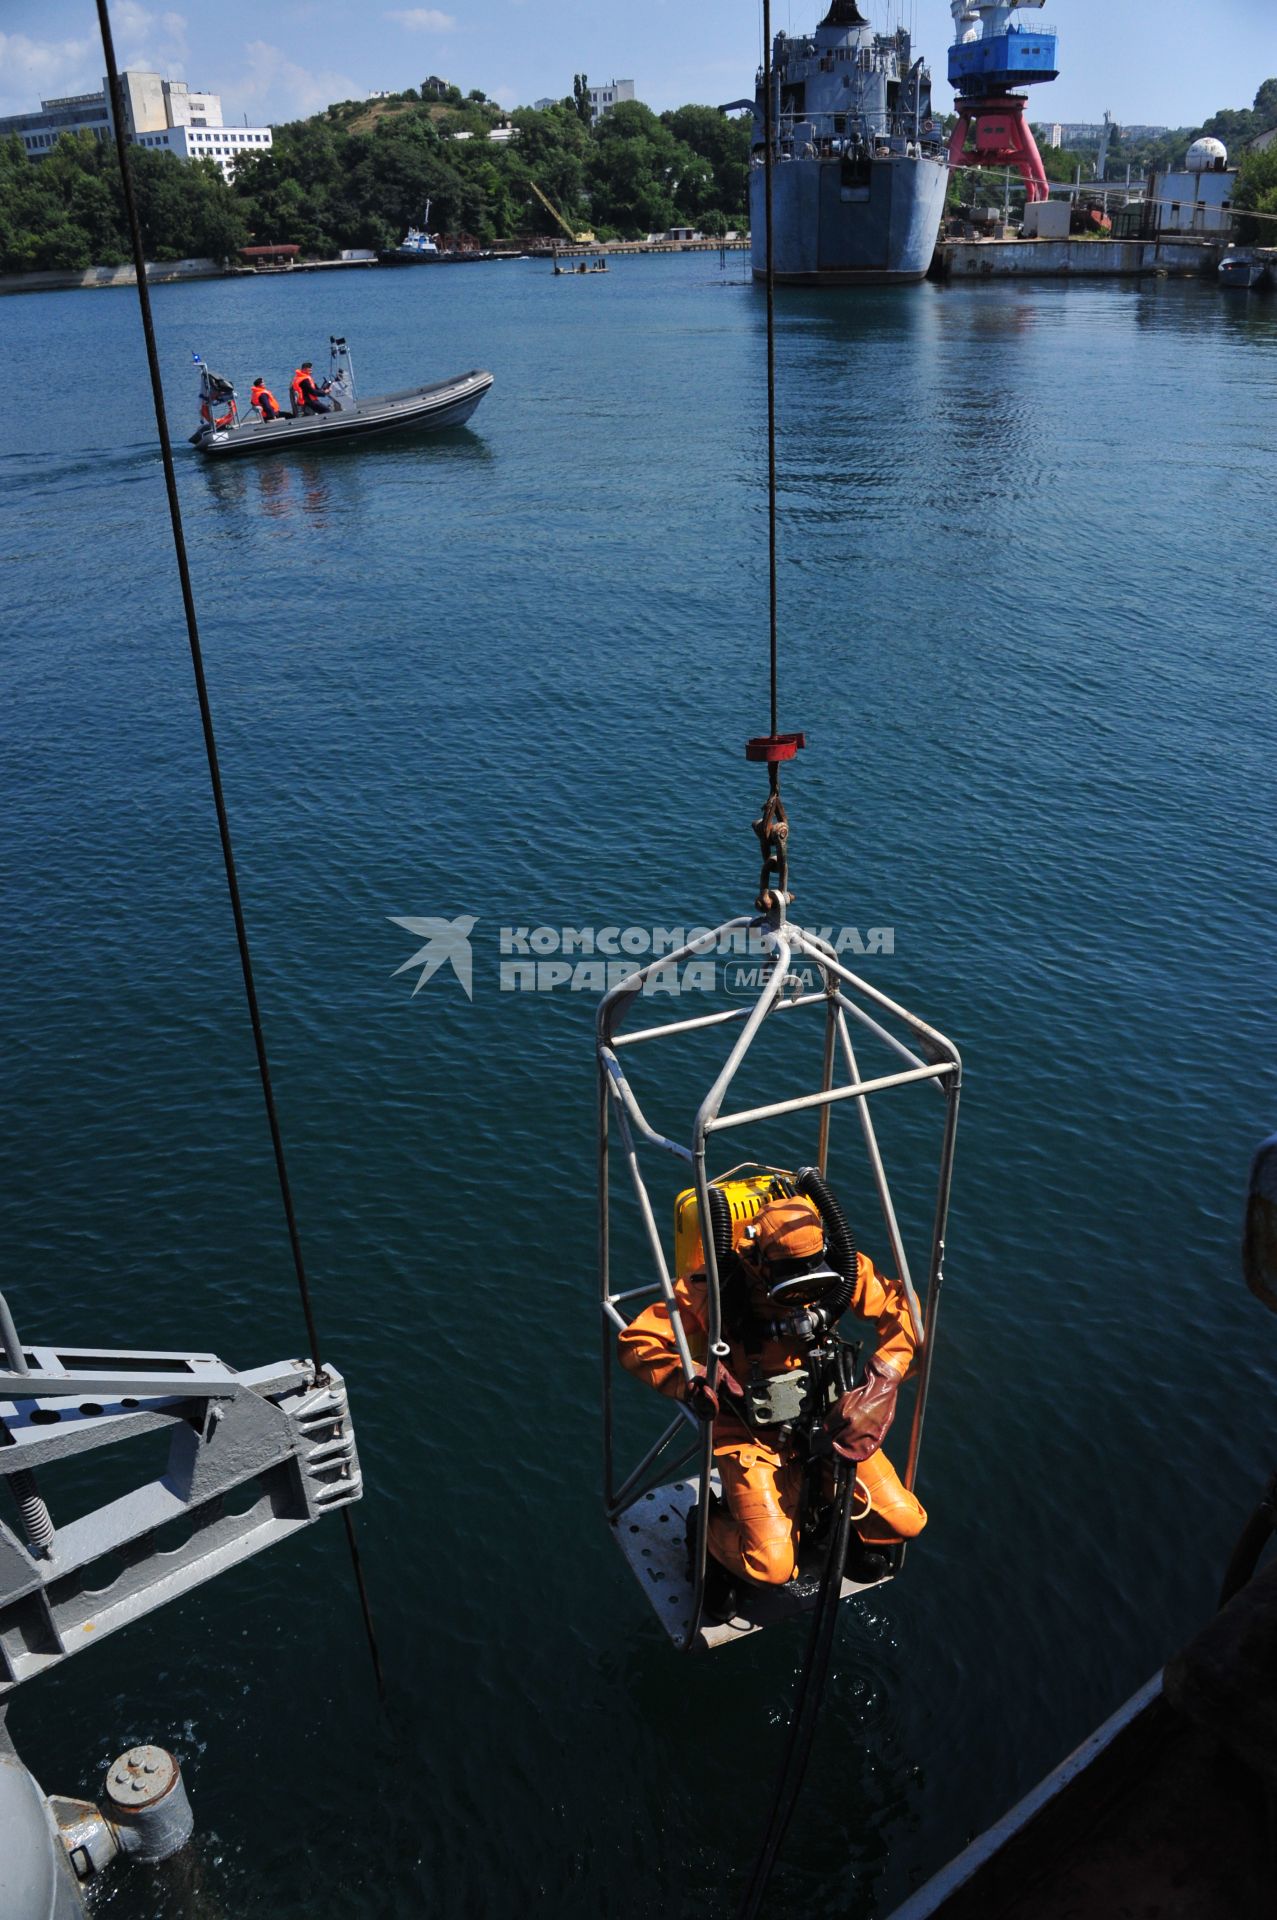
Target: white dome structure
1207,156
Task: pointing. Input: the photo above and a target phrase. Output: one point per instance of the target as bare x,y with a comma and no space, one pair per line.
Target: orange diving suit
755,1531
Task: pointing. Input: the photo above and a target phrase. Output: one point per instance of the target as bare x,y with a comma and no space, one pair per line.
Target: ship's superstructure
860,163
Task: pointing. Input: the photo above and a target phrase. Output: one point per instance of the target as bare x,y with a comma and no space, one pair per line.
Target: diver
784,1401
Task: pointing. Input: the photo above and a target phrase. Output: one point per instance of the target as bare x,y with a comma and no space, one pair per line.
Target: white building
222,144
603,99
74,113
1197,198
157,113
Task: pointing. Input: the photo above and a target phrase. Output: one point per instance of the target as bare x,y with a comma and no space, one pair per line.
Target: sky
1152,62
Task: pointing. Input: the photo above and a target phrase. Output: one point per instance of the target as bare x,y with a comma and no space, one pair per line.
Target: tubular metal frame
843,996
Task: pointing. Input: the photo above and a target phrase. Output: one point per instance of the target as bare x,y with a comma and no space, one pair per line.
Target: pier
1076,258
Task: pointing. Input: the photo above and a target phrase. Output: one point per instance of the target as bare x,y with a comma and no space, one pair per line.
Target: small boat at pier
222,431
1240,268
420,248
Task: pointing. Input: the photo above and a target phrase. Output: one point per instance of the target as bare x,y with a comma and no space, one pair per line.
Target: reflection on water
316,487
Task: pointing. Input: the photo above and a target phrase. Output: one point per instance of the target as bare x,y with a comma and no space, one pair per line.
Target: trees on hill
351,179
359,174
68,212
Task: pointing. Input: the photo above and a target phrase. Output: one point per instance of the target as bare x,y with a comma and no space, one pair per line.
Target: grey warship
860,161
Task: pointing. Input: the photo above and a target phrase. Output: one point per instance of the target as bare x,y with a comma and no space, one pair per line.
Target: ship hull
842,225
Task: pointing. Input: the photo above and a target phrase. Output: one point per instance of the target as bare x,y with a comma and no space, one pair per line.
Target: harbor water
508,673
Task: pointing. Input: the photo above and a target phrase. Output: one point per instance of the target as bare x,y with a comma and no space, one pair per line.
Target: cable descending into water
807,1701
768,140
811,1685
215,776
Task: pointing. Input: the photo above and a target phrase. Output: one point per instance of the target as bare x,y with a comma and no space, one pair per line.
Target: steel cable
820,1638
768,158
215,776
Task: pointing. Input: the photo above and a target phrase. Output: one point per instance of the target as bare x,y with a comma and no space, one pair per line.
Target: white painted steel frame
842,995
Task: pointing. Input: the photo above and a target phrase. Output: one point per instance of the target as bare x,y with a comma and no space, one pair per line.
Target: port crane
992,57
583,238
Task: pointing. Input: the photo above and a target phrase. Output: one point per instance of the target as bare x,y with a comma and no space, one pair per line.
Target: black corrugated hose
807,1702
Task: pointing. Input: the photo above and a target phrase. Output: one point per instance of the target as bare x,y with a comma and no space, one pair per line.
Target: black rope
768,138
807,1702
214,769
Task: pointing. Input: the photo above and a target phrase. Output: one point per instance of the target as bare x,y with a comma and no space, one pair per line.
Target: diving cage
647,1506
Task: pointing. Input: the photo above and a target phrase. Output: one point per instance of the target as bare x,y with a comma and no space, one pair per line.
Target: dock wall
1070,259
157,271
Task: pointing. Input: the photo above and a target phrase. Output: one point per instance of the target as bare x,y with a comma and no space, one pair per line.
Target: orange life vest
303,387
261,393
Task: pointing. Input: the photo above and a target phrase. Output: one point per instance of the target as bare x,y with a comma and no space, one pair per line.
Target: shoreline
161,272
954,262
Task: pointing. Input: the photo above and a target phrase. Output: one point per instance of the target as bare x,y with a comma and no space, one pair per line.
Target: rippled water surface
1026,612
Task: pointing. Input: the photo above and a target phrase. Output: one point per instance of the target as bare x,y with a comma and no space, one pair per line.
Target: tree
1266,106
1257,194
725,144
581,97
641,178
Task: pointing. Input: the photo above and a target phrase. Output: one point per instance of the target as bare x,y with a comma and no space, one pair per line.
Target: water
508,673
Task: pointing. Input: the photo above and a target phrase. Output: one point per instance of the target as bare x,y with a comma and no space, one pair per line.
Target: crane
582,239
993,57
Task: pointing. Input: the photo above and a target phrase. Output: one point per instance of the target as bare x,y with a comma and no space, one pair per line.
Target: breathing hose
810,1181
811,1686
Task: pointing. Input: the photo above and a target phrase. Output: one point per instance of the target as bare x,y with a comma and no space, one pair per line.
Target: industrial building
157,113
1197,197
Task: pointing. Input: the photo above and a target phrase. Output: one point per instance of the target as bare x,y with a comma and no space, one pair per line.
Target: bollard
147,1803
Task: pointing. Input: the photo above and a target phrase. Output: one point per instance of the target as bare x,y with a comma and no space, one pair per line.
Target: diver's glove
704,1399
858,1421
701,1397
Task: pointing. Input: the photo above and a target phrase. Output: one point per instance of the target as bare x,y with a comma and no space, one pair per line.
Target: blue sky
1161,62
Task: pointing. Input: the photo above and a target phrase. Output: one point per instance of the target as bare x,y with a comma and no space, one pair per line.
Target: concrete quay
1079,258
158,272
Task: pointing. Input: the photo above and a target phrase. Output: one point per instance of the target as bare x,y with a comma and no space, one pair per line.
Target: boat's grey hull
832,229
448,403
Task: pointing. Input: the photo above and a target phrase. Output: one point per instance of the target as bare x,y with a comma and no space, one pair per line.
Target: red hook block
772,747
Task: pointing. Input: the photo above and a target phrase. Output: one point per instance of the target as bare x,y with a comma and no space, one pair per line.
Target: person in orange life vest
264,400
206,415
780,1292
307,397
